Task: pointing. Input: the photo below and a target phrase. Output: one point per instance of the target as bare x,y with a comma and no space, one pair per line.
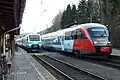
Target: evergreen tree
82,12
63,20
74,14
89,9
68,17
95,12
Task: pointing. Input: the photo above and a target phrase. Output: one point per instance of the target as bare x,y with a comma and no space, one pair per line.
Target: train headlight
109,42
95,42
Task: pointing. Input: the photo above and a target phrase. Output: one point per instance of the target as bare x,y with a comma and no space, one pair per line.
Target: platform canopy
11,12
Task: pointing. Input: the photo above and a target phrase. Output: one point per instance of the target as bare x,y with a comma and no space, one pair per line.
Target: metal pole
3,76
14,29
4,35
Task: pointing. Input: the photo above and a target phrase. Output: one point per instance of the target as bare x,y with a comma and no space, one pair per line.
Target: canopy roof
11,12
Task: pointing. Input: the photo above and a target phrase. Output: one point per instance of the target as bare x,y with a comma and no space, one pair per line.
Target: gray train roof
86,26
74,27
89,25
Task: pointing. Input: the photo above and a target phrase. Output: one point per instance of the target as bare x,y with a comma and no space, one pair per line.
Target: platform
115,52
24,67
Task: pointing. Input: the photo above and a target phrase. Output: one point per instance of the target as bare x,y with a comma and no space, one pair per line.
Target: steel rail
80,68
54,67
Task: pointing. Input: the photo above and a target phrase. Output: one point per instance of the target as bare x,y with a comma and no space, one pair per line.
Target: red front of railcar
93,40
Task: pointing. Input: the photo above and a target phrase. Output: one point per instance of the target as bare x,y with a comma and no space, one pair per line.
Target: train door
62,42
76,35
59,43
68,42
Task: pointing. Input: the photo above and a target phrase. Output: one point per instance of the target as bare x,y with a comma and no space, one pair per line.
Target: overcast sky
39,13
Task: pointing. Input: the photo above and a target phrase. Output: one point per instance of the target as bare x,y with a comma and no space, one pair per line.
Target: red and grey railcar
84,39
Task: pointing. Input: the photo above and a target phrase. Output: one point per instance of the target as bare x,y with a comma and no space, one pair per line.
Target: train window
83,36
68,36
74,35
98,32
59,40
78,32
67,33
56,41
34,37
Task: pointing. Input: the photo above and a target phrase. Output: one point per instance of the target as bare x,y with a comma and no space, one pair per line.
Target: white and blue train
31,42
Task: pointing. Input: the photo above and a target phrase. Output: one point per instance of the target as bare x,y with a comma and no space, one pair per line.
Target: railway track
70,72
114,63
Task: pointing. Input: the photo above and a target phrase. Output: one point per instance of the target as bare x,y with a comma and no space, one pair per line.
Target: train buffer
24,67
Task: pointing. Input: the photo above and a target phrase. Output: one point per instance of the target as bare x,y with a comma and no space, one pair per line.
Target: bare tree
56,22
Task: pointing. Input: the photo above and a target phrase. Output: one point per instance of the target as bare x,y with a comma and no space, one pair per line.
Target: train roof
48,34
31,34
89,25
86,26
74,27
58,33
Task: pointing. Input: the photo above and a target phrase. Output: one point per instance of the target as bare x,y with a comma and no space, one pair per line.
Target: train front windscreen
34,37
99,34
